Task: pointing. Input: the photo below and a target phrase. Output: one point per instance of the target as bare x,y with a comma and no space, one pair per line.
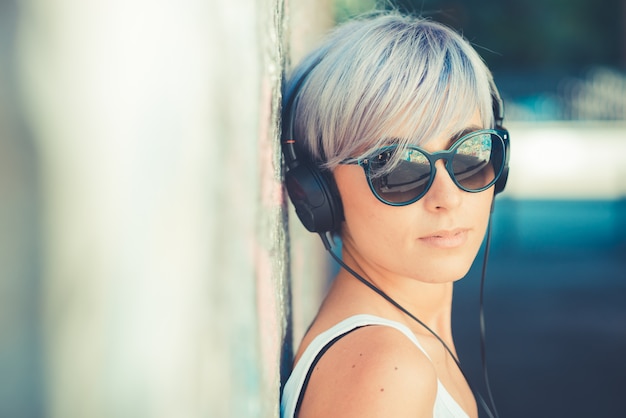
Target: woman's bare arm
375,371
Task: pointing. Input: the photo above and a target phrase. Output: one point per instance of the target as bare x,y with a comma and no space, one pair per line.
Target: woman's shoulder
374,369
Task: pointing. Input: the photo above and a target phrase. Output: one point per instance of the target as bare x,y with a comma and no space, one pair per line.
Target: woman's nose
443,192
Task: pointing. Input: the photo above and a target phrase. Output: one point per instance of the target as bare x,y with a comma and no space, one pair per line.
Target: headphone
312,190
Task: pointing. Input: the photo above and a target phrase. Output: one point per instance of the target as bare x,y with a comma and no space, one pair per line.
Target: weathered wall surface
164,254
148,263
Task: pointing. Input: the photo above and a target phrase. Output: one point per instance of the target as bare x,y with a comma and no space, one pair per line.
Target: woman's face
433,240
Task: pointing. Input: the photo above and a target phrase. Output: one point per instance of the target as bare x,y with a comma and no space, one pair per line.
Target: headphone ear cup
501,183
314,197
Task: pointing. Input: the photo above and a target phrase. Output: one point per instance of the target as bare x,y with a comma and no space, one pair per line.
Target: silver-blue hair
375,77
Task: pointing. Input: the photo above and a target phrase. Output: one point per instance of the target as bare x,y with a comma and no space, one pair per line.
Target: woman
389,140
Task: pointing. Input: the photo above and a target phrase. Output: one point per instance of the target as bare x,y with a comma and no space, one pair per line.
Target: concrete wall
157,252
20,268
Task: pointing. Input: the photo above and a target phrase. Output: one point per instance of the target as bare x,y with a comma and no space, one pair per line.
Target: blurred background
555,295
143,240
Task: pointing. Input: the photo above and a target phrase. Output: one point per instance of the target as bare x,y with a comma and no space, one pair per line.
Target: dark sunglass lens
405,181
473,163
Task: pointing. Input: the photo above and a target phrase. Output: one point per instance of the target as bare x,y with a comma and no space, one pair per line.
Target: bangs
405,81
445,103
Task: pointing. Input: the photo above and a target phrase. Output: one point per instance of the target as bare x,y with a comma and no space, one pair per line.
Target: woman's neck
431,303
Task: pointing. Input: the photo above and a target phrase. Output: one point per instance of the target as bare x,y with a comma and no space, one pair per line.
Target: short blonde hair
375,76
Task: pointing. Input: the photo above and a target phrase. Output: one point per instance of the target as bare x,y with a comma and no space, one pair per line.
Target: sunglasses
474,162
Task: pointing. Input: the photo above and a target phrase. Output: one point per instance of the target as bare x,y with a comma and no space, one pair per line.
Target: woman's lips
446,239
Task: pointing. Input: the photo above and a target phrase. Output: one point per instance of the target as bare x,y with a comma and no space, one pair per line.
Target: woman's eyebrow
462,133
391,141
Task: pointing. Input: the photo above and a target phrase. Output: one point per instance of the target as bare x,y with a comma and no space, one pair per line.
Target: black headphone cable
490,413
481,315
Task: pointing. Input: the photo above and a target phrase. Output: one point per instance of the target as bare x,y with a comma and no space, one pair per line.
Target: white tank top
445,405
